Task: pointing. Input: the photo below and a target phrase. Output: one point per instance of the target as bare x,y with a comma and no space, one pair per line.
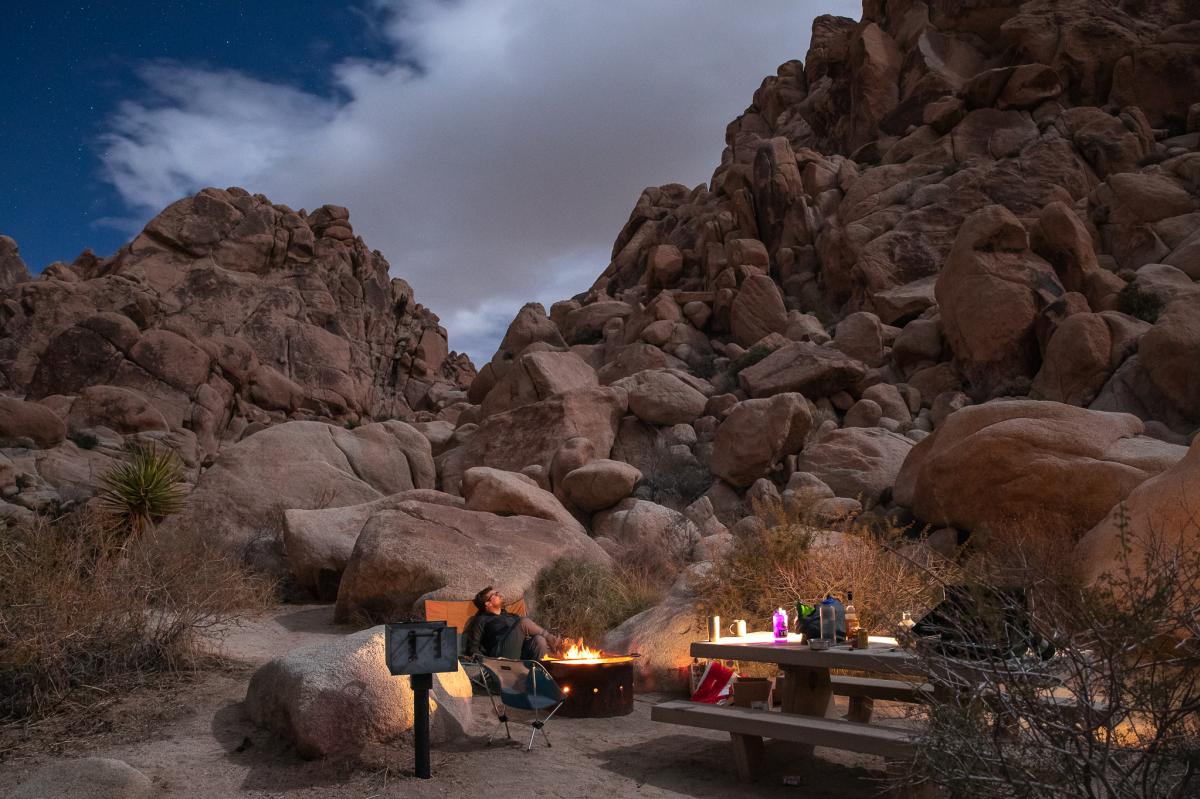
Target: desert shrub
1139,304
583,599
1114,714
748,358
673,479
81,612
83,439
788,558
139,492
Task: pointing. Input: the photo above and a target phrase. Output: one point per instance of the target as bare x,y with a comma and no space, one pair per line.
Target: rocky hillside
227,314
944,204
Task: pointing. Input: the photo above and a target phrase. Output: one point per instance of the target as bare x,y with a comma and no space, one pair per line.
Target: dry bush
583,599
788,558
1113,714
674,480
81,609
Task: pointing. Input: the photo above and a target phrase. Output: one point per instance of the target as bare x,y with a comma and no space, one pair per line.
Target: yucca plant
140,492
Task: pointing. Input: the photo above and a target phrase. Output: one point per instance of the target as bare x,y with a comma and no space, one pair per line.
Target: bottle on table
851,619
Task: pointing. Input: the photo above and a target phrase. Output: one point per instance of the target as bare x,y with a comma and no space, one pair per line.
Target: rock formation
227,314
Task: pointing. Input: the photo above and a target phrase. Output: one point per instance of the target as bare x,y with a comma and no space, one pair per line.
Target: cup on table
738,628
714,628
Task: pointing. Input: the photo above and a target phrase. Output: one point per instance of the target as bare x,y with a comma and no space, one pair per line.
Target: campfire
577,652
596,684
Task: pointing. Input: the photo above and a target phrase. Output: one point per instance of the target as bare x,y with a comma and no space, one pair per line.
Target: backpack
809,622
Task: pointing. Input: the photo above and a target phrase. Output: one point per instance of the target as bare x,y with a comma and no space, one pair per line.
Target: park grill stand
420,649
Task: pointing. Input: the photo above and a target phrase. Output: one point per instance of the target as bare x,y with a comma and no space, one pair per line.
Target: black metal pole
421,683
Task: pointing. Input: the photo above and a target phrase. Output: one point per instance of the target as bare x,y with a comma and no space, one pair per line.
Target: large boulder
1021,463
857,462
1170,356
600,484
638,525
1158,519
757,311
757,434
531,434
85,778
535,376
1082,353
335,699
124,410
511,494
802,367
238,502
662,636
414,551
319,542
29,424
991,292
662,397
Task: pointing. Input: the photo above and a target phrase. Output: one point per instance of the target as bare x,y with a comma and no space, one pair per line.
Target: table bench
748,727
863,691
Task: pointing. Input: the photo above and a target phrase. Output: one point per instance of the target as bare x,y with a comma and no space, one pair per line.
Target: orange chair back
455,612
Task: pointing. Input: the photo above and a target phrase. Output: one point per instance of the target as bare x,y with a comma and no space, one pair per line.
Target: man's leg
532,629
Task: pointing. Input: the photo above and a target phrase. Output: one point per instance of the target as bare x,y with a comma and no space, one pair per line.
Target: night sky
67,65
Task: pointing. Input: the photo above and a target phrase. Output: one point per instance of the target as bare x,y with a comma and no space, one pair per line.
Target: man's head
489,599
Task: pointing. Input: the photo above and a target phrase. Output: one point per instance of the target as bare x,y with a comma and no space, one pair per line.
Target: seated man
494,632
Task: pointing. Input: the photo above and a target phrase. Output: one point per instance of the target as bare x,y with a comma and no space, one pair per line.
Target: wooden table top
882,656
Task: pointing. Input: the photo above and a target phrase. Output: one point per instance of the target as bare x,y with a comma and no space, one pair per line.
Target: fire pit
596,685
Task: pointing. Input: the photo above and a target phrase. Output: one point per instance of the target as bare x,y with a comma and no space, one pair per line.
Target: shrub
138,493
748,358
1115,714
787,559
672,479
1139,304
80,614
583,599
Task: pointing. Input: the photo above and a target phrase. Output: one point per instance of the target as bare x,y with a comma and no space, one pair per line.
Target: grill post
420,649
421,683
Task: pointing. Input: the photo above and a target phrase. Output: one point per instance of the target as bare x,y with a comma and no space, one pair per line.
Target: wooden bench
748,727
863,691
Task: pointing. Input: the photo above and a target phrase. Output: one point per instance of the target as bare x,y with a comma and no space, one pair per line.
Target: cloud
495,157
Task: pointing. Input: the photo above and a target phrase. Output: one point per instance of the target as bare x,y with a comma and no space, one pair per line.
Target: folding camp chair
457,613
521,685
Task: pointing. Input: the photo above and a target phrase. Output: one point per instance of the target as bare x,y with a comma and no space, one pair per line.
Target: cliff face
226,314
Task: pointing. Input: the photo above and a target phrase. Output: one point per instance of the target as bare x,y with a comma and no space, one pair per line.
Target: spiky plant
139,492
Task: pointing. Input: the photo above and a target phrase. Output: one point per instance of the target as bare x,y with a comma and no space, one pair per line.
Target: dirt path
193,740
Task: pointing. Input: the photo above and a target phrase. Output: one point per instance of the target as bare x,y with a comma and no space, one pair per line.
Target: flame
575,650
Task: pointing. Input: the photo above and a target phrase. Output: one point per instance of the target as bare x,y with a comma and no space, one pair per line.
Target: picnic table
807,696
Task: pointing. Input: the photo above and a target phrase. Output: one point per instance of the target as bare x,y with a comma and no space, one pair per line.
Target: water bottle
828,611
779,622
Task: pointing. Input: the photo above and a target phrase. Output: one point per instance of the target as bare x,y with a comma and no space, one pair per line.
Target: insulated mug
714,628
738,628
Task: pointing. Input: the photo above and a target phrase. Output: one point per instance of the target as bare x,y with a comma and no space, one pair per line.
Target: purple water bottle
779,621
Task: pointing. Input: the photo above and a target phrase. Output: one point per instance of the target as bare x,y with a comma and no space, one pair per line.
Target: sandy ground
190,736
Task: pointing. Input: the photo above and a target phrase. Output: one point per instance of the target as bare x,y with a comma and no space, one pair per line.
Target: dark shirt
486,632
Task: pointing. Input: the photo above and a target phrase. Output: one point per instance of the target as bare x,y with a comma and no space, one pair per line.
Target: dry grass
83,610
582,599
789,559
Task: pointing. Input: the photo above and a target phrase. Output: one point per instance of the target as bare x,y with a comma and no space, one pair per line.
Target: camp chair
521,685
456,613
